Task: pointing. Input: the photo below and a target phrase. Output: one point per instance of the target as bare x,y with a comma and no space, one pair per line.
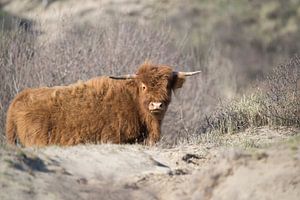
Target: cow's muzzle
156,107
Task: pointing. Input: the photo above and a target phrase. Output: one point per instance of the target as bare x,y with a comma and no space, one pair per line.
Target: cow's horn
127,76
188,73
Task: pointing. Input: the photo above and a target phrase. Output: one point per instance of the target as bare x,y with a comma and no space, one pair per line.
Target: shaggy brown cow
124,109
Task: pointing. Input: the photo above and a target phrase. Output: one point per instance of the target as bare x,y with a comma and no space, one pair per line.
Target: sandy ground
268,169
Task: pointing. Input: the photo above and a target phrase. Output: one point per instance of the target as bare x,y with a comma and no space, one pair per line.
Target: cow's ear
178,81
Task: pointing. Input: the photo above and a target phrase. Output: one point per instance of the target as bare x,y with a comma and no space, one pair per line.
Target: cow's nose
156,106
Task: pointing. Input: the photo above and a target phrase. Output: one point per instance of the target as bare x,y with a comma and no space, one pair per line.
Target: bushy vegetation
274,102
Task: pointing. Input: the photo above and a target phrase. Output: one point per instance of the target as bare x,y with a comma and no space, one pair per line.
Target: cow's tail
11,134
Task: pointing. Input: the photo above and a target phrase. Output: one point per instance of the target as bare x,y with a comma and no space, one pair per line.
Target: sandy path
137,172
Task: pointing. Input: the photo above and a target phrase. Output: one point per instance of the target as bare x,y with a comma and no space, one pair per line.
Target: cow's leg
11,132
154,134
32,131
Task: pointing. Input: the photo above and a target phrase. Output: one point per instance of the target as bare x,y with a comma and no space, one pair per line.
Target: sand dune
204,171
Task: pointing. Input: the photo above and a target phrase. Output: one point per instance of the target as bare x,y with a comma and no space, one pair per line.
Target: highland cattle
105,109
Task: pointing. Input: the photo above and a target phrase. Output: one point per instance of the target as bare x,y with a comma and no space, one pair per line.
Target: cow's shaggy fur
99,110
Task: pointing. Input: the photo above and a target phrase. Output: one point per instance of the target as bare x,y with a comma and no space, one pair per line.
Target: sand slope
204,171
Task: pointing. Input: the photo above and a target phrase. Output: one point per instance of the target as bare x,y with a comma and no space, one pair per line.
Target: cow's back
99,110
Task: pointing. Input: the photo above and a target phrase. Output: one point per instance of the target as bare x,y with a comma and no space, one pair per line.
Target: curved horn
188,73
127,76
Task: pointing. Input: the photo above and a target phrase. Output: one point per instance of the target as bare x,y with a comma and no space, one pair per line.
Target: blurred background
235,43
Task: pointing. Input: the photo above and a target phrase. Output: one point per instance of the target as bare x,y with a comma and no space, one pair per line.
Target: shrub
275,102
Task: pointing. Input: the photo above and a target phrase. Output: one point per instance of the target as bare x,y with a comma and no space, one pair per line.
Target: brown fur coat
99,110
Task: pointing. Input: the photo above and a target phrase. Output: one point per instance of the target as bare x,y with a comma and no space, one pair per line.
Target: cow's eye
144,87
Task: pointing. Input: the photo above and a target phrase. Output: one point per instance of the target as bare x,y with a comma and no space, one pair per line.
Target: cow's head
156,83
